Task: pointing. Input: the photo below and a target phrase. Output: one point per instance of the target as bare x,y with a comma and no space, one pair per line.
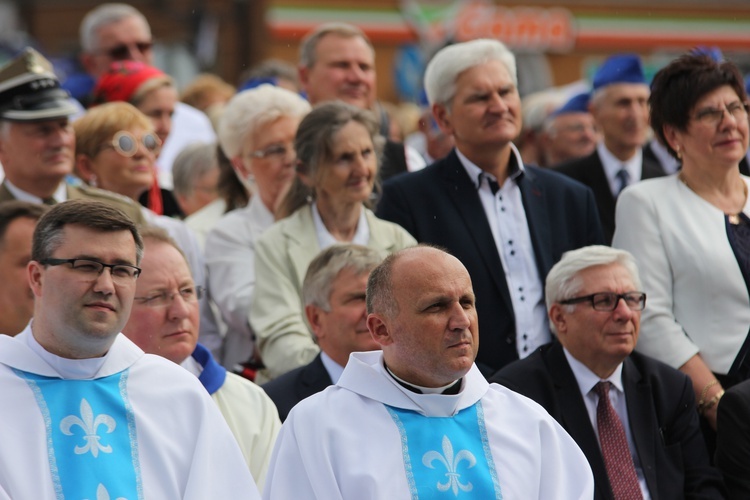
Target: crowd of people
270,293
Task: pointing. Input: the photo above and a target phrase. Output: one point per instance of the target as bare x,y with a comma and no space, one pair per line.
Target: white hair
104,15
249,110
445,67
564,282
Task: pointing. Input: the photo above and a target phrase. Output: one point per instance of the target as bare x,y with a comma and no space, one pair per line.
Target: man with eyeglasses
89,415
165,320
633,417
37,140
118,32
619,105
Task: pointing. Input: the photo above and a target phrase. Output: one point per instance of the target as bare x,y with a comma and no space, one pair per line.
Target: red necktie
615,448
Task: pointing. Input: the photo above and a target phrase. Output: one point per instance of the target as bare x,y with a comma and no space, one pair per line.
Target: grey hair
94,215
104,15
249,110
328,264
314,144
564,282
309,43
449,62
193,162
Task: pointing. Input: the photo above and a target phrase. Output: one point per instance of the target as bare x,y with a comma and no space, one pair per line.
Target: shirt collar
515,167
334,369
587,379
612,164
60,195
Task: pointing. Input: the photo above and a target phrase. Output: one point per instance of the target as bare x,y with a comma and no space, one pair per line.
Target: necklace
733,218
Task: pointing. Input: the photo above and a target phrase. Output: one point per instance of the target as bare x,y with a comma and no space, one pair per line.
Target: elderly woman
690,232
116,147
195,173
256,134
154,94
337,163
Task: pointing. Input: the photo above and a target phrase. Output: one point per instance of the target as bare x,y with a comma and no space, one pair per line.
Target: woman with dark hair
690,232
337,149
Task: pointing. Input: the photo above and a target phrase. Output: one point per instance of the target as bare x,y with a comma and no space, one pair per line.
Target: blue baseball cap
620,68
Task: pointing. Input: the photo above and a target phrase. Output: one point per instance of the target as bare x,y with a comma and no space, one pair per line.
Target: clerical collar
450,389
68,368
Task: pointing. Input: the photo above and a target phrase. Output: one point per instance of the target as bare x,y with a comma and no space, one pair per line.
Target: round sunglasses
126,144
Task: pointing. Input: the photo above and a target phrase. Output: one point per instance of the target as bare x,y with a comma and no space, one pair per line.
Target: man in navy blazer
595,307
619,104
333,293
507,222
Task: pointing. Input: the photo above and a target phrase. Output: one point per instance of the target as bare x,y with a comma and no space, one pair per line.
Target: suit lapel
600,184
303,241
463,193
575,418
314,378
641,413
535,207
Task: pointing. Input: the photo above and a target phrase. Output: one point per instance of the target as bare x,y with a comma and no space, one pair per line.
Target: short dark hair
677,88
16,209
91,214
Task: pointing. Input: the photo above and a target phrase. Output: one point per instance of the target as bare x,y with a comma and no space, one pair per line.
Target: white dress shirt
587,380
510,229
612,165
326,239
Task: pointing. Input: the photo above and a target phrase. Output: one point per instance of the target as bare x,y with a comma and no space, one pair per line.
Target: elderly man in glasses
87,413
632,416
164,321
119,32
37,140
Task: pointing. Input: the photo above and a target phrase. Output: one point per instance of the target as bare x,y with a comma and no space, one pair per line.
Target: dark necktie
617,459
49,201
624,179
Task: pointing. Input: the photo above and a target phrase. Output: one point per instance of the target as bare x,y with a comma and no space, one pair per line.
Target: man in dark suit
619,104
333,292
595,307
507,222
733,440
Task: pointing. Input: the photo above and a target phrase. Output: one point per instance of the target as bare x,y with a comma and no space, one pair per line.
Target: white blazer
697,300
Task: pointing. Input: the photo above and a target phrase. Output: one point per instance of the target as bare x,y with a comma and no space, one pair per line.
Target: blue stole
447,457
213,375
91,439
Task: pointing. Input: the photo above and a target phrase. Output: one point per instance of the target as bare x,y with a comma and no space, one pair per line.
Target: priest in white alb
418,420
85,414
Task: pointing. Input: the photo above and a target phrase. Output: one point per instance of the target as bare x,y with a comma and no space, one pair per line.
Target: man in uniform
619,105
37,141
